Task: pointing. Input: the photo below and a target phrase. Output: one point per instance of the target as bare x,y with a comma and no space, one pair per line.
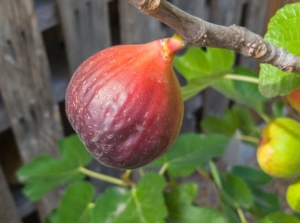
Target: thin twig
241,78
103,177
204,34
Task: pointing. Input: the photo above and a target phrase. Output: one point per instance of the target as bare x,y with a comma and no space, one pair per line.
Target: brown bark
204,34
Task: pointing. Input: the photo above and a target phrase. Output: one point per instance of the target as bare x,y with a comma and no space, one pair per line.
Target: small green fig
125,103
278,153
294,99
293,195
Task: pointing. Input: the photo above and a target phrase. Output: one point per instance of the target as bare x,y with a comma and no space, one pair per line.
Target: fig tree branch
200,33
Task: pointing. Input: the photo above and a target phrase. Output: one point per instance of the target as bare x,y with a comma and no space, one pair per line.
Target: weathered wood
46,13
197,8
227,12
137,27
25,87
4,123
8,211
86,28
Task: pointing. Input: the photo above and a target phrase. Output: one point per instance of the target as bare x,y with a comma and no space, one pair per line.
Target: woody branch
200,33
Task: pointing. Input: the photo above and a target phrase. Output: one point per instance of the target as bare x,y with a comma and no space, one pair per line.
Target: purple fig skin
125,103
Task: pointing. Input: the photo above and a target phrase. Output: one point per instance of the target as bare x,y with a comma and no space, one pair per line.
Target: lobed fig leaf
143,203
283,32
125,103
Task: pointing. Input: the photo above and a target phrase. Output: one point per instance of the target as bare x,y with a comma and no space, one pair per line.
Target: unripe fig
294,99
125,103
293,195
278,153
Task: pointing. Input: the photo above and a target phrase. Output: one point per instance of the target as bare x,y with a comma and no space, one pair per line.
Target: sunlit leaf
143,203
283,31
76,204
202,68
190,151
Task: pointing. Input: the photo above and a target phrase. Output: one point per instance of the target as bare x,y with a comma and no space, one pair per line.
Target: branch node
201,36
261,50
152,5
257,48
146,5
242,39
288,69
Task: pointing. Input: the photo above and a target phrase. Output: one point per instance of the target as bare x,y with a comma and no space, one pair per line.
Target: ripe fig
125,103
294,99
278,153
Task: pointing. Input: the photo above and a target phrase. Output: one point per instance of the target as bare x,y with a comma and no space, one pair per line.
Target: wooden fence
41,44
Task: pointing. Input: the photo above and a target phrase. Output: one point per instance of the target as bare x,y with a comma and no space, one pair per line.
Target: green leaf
52,217
264,203
215,174
181,210
235,191
235,118
227,125
46,172
278,109
248,89
279,218
293,195
198,84
252,177
76,204
190,151
243,92
283,31
246,123
200,69
230,214
144,203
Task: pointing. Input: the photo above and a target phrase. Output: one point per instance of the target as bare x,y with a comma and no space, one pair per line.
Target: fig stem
141,172
241,215
163,169
215,174
242,78
102,176
204,173
247,138
264,116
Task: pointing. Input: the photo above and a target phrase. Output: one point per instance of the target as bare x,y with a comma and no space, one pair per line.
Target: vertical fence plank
25,86
86,28
8,211
137,27
194,7
227,12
